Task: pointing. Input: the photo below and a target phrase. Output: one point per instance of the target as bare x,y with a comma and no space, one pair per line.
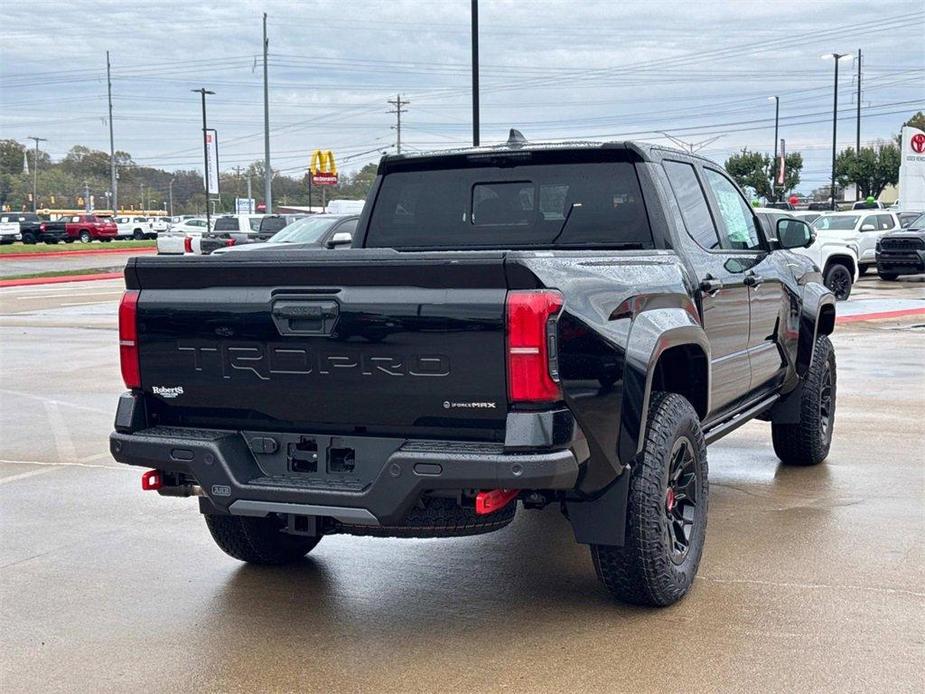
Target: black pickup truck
35,229
564,324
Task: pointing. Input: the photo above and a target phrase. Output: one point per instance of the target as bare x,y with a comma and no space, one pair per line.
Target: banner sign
244,205
323,170
212,159
912,169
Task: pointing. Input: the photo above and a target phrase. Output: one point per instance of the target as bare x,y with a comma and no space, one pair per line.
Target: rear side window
226,224
596,204
693,204
884,222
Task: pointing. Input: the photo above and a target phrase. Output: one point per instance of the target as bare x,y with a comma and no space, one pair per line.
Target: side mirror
795,233
868,227
340,238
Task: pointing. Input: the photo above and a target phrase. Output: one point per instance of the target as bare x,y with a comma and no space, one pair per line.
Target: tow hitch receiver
493,500
152,480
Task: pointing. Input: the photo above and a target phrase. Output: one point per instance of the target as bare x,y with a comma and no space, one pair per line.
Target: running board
718,431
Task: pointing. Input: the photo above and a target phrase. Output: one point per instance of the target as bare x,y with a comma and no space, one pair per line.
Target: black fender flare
817,317
652,334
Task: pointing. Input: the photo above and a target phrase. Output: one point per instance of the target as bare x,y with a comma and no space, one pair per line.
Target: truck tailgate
367,341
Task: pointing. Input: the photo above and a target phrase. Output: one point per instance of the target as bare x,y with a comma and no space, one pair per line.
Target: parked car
35,229
158,224
345,206
865,205
230,230
273,223
866,227
179,239
565,326
907,218
317,231
134,227
87,227
784,205
9,229
833,251
902,252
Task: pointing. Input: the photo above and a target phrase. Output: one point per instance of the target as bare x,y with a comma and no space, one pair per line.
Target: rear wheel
258,540
138,234
666,511
28,237
85,237
838,281
807,442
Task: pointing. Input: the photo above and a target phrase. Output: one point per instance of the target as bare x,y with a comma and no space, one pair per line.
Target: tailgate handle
305,317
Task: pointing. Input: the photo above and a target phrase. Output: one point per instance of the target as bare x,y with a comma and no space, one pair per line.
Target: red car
87,227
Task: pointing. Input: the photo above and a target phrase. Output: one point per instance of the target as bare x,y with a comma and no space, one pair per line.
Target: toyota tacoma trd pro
520,325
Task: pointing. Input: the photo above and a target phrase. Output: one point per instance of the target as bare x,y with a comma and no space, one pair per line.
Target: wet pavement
812,579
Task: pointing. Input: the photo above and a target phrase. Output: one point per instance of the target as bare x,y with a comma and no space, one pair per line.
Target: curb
60,279
58,254
880,315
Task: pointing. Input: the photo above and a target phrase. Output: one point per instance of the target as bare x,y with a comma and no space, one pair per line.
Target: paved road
13,267
812,579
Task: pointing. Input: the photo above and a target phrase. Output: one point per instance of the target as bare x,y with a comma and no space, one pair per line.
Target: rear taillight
128,339
532,352
229,242
42,226
188,244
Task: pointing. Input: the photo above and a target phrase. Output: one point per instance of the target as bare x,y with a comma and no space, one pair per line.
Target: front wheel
666,511
85,236
258,540
838,281
807,441
28,238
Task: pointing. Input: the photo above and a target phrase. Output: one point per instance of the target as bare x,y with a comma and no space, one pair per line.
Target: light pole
836,57
774,164
475,72
35,171
170,194
205,151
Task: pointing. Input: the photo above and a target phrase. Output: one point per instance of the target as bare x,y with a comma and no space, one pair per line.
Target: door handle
753,280
711,285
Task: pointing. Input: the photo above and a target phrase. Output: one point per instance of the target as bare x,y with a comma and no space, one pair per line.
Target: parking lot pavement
11,266
812,579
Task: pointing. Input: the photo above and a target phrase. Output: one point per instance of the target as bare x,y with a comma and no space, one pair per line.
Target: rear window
270,225
589,204
226,224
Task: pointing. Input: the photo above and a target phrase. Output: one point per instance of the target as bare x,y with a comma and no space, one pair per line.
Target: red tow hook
493,500
152,480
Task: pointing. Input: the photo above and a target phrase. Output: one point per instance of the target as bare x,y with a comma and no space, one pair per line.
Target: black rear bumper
250,473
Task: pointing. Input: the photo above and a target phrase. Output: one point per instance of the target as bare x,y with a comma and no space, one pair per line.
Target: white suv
864,226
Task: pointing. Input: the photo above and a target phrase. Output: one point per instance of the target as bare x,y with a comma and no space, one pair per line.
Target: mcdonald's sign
323,169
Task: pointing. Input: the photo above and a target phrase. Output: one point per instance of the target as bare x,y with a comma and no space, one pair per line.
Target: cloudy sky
555,69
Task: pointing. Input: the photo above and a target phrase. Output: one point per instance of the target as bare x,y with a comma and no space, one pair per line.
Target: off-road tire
862,270
838,280
258,540
28,238
808,442
887,276
643,571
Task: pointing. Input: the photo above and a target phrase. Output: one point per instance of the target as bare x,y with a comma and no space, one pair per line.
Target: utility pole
475,73
170,194
205,152
776,123
143,206
250,207
86,197
837,57
35,171
112,142
268,172
857,151
398,103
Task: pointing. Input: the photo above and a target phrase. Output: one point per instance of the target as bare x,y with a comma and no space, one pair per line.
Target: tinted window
693,203
738,221
226,224
350,227
591,204
869,220
308,230
884,221
270,225
844,223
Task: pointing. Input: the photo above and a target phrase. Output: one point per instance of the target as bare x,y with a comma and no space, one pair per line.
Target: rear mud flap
601,521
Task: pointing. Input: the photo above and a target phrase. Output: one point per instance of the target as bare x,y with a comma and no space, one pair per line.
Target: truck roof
516,143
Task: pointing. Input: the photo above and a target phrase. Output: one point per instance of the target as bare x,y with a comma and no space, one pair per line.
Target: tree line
64,184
